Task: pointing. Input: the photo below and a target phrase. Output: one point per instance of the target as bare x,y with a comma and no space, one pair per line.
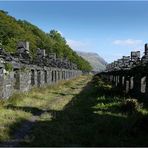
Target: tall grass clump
130,106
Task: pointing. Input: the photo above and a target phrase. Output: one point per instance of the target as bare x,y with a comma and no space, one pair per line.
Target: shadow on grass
63,94
80,124
33,110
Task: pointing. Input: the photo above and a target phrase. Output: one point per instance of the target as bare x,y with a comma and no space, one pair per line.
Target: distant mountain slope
97,62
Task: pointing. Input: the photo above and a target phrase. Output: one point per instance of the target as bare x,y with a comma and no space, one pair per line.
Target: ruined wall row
132,71
23,81
19,72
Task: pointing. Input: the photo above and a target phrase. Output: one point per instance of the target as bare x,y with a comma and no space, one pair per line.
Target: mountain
97,62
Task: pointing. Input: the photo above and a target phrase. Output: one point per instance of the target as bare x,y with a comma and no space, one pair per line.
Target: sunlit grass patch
8,117
23,106
75,112
88,118
144,111
45,117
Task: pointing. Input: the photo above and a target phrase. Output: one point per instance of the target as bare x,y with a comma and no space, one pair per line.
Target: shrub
130,106
8,67
24,69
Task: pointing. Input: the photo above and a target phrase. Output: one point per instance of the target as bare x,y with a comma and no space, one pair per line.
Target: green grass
22,106
8,117
92,118
79,112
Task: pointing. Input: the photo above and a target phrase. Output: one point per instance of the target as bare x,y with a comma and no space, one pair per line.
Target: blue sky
111,29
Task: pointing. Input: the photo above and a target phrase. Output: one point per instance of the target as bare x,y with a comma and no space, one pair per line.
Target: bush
8,67
24,69
130,106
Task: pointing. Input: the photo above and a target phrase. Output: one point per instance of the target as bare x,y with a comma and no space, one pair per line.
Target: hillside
97,62
12,31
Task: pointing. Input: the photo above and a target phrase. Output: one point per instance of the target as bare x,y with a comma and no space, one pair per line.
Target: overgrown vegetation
8,67
80,112
130,106
24,69
12,31
21,107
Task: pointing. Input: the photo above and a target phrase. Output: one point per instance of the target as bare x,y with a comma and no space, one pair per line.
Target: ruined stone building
130,74
19,72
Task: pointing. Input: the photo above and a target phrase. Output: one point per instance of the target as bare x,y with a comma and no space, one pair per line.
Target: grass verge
80,112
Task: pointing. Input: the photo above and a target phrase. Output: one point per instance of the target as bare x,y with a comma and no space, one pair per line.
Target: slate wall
19,80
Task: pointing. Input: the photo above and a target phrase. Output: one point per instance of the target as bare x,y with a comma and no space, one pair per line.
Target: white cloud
79,45
127,42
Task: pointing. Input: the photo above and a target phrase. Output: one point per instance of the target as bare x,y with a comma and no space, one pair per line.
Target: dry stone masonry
130,73
19,72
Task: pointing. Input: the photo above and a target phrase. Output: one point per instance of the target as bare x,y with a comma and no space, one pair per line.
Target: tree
12,31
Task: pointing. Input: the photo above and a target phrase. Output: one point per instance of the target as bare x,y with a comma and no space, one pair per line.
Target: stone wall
22,81
7,83
130,75
19,72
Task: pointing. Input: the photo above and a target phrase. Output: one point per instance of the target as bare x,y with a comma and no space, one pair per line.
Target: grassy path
80,112
35,106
